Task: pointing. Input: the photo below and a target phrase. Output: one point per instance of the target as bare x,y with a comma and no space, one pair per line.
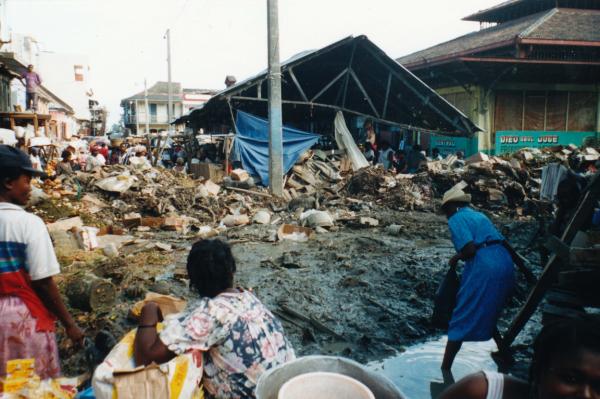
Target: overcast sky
213,38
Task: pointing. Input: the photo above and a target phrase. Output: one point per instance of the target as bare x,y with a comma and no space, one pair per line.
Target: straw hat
455,195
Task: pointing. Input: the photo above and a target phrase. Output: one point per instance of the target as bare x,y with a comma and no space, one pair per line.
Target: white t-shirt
27,231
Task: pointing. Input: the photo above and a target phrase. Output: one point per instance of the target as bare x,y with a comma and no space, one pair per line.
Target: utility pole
275,117
146,107
170,104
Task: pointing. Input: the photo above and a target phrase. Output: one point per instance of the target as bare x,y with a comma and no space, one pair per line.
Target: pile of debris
511,183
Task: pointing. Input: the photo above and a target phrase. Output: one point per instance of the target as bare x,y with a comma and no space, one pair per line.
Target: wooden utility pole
275,117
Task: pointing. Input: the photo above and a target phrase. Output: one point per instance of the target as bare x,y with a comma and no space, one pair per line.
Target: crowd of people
405,159
81,156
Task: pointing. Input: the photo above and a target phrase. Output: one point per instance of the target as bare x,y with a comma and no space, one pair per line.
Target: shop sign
450,145
511,141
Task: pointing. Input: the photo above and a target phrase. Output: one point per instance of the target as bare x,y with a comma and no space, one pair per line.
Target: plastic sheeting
252,145
345,142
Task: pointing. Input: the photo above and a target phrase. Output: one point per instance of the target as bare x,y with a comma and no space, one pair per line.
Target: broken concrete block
294,233
111,250
370,222
262,217
235,220
239,175
212,188
479,157
315,218
163,247
65,224
172,223
132,219
496,195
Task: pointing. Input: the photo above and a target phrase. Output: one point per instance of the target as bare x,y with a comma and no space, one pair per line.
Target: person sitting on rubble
386,156
239,336
435,154
400,162
565,365
488,275
65,167
179,165
30,301
415,159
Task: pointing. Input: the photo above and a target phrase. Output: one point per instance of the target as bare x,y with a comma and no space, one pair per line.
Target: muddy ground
361,293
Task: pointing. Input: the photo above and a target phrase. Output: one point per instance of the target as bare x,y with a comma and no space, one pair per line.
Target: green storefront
511,141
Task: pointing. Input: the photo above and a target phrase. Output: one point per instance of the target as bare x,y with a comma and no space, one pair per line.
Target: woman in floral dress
239,336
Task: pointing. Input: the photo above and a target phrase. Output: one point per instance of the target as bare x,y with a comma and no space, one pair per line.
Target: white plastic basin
323,385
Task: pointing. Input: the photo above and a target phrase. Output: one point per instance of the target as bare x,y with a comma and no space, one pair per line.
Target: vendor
29,298
65,167
488,276
239,336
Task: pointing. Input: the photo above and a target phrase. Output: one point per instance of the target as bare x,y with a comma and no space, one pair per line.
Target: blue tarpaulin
252,145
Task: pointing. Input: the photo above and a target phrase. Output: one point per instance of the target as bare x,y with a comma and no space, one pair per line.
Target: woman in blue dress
488,275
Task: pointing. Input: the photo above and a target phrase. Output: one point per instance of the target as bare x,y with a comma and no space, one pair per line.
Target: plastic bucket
270,382
322,385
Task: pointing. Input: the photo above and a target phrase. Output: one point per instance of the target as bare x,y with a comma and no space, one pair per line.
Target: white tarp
345,142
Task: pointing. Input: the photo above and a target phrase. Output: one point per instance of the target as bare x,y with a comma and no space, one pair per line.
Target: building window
78,73
153,113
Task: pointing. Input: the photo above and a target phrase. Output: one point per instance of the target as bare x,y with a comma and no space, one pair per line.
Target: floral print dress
240,339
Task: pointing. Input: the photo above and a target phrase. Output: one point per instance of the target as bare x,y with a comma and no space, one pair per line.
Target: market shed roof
557,24
352,75
513,9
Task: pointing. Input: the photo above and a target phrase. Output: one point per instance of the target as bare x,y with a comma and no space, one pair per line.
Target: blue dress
487,279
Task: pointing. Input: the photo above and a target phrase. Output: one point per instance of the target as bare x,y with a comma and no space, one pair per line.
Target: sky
124,39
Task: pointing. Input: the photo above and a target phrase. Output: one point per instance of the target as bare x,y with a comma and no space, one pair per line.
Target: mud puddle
416,371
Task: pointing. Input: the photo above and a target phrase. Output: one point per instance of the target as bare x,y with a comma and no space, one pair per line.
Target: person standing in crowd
103,150
65,167
371,140
94,159
240,337
415,159
565,365
30,301
31,80
435,155
34,157
386,156
488,276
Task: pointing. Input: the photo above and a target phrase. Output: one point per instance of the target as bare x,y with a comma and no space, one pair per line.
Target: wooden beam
526,61
364,92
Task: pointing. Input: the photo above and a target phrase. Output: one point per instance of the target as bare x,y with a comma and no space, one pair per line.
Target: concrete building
68,75
184,100
529,77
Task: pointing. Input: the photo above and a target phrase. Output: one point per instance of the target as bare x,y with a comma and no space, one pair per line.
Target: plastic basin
321,385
